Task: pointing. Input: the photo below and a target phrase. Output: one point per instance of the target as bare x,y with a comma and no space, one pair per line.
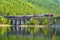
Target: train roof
27,16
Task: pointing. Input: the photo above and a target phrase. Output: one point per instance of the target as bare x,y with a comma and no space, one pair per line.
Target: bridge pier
16,25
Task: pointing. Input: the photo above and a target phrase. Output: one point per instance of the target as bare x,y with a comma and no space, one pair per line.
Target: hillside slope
50,6
18,7
22,7
25,7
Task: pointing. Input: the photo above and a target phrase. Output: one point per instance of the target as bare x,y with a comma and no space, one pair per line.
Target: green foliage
44,31
3,30
32,29
49,6
54,20
3,20
25,7
31,22
18,7
43,21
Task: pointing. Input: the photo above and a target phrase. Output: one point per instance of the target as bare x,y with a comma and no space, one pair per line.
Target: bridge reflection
17,23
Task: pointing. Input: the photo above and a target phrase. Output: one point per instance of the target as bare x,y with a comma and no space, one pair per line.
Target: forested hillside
18,7
22,7
49,6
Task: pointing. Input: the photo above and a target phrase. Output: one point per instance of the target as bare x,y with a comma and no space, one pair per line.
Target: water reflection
9,32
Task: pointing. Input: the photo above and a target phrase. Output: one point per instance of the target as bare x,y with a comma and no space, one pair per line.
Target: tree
50,31
43,21
33,30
